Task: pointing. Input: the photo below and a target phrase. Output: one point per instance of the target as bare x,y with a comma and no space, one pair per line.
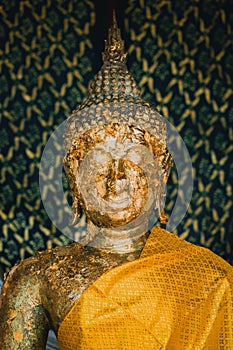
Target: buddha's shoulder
200,257
36,265
69,259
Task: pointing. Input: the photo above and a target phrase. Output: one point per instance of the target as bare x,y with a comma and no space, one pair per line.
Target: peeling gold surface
18,335
39,292
11,314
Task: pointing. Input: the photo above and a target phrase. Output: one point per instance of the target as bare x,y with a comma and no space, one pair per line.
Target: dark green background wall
180,53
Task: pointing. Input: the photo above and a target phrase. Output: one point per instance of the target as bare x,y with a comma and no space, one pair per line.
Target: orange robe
176,296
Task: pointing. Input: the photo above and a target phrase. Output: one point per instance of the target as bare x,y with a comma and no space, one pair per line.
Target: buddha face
115,174
113,182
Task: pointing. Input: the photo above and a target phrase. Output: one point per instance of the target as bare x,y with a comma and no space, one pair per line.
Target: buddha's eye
142,157
99,158
135,155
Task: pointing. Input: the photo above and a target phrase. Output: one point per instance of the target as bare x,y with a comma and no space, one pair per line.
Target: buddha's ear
163,218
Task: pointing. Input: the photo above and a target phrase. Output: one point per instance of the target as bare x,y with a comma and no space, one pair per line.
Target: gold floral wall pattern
180,53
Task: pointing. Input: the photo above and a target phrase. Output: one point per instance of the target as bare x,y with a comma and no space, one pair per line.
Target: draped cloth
175,296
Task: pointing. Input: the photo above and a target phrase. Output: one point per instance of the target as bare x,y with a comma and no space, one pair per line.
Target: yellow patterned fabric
176,296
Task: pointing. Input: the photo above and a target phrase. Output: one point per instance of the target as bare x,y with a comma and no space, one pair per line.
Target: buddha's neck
118,240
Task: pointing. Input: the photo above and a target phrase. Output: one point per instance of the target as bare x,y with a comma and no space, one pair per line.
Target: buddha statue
128,284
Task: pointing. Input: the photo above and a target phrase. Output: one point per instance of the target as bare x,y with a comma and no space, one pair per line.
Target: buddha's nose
118,170
117,178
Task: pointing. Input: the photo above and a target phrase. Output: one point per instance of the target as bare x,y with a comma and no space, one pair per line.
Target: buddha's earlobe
77,211
163,218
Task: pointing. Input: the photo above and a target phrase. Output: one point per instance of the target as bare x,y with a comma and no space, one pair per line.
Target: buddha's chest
68,277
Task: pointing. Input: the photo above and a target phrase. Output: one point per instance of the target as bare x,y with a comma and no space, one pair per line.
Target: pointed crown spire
113,82
114,45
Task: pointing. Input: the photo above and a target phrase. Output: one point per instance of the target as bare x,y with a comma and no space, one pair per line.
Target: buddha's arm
23,322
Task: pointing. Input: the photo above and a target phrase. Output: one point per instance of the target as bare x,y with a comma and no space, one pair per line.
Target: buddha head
116,159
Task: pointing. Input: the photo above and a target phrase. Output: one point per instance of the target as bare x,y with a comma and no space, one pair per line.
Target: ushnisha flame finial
114,45
113,83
